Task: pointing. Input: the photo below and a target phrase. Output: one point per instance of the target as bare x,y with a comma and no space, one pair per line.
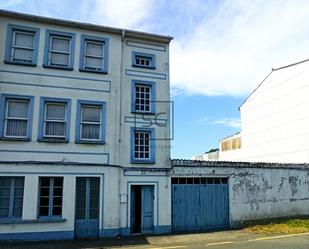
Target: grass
284,227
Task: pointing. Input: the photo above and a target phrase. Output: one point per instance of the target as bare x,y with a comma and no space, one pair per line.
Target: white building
275,119
211,155
84,127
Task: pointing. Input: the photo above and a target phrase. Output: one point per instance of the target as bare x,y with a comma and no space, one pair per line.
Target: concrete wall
256,191
275,119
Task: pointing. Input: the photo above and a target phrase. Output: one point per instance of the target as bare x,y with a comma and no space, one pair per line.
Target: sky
222,49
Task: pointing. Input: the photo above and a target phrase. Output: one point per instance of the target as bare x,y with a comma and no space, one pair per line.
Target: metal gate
200,204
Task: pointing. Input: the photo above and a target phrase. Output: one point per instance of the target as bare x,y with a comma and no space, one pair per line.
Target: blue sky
220,52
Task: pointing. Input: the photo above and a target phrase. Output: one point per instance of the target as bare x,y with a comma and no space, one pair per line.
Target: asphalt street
216,240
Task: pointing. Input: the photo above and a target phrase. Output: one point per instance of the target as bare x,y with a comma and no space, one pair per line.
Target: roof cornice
118,31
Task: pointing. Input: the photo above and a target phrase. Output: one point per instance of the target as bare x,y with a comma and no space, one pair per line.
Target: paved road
218,240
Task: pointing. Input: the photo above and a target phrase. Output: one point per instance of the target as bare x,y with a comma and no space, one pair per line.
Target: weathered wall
256,191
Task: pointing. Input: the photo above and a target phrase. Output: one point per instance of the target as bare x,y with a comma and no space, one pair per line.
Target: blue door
147,209
142,209
200,204
87,207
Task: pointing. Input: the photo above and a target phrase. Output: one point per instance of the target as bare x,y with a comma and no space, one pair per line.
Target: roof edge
235,164
230,136
272,70
128,33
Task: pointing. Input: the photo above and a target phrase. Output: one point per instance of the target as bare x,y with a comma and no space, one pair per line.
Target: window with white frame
143,60
91,122
51,193
23,46
59,51
11,197
142,98
142,148
55,120
16,119
94,55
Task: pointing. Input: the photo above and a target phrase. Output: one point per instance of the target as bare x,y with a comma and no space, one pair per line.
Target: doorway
142,208
87,207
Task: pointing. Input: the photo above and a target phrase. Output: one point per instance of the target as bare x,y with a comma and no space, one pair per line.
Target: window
90,124
143,97
11,197
94,54
59,50
200,180
143,60
50,196
55,120
142,145
22,45
16,111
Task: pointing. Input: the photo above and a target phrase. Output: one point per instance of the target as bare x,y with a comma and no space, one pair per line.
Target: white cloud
121,13
231,51
231,122
9,3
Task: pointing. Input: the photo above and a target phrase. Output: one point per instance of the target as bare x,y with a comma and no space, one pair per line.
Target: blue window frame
143,97
55,116
51,197
143,144
11,197
143,60
90,122
22,45
59,50
94,54
16,112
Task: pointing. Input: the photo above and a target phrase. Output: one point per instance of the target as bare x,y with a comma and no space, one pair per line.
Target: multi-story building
84,130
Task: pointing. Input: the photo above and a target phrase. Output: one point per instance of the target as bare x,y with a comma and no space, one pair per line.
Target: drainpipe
120,175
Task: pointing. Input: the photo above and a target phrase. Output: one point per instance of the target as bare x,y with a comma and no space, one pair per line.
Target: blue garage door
200,204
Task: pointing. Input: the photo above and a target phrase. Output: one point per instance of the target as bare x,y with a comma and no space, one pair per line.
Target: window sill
93,71
145,67
89,142
53,140
144,112
25,139
58,67
20,63
134,161
39,220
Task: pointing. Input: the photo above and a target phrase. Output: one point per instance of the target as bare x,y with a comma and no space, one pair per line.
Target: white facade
208,156
111,158
275,119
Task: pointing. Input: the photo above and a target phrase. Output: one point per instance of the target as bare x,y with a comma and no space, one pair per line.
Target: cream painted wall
116,150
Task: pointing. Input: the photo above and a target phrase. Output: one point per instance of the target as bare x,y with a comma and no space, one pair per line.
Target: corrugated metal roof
200,163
